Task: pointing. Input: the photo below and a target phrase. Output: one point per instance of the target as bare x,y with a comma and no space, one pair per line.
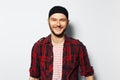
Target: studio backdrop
94,22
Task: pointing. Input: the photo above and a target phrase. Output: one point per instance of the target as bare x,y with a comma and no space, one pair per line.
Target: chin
58,35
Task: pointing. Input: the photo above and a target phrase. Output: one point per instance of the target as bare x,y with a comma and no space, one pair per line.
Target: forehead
58,15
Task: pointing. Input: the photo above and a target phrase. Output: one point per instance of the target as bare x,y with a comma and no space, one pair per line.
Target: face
58,23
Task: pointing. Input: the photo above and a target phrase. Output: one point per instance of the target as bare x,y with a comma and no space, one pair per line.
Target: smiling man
58,56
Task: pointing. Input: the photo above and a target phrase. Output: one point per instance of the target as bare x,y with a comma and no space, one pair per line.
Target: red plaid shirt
75,59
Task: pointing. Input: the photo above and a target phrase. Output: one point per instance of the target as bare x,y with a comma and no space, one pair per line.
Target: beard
58,35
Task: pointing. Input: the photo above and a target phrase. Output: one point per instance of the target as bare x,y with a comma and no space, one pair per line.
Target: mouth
58,28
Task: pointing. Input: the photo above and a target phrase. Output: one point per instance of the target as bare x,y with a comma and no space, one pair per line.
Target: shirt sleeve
85,68
35,66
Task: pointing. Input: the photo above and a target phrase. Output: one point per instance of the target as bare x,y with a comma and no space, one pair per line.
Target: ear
48,20
68,21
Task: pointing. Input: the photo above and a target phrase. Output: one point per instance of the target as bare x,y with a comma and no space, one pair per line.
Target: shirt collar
48,39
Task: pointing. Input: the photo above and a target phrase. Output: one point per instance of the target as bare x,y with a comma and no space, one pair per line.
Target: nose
58,23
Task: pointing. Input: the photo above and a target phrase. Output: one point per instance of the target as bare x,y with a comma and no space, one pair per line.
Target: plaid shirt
75,59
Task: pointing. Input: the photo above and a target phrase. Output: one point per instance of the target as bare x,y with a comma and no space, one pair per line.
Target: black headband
58,9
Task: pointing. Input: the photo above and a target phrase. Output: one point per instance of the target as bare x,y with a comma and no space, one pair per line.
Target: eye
63,20
53,19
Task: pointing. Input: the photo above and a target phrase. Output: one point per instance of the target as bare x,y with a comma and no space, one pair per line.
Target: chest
69,55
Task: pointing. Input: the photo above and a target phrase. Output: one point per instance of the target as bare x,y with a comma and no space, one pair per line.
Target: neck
57,40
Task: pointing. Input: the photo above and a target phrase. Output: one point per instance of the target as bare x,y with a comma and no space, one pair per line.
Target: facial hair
58,35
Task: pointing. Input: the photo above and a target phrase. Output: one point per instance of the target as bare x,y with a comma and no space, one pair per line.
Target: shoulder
75,41
44,40
39,42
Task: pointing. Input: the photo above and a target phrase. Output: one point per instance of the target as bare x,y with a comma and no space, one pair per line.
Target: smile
58,28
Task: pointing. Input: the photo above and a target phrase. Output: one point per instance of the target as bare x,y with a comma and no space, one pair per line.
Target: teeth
58,28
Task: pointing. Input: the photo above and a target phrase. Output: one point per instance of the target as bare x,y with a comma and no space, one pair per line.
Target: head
58,20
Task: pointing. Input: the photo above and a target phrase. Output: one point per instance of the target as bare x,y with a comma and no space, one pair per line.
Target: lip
58,28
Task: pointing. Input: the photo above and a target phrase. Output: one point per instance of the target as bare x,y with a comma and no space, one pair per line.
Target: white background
94,22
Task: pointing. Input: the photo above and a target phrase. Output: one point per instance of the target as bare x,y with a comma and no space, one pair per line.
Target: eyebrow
60,18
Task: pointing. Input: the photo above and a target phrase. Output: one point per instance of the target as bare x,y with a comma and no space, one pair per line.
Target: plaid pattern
75,59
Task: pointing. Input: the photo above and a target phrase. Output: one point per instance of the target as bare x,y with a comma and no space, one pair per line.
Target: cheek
52,23
64,24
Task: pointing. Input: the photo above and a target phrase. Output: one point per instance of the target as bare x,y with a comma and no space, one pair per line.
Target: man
57,56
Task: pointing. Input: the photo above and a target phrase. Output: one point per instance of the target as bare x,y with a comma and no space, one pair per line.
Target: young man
57,56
